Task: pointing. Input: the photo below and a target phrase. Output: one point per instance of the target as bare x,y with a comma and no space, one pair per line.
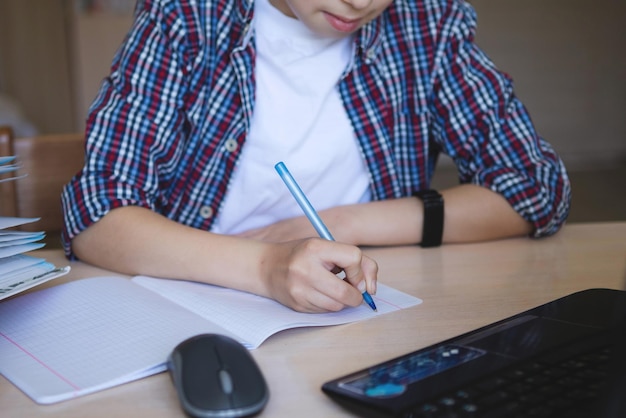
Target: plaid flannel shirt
169,123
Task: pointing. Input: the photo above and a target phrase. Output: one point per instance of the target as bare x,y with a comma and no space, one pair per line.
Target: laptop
566,358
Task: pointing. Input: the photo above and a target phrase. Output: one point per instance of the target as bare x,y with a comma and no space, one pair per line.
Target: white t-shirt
298,119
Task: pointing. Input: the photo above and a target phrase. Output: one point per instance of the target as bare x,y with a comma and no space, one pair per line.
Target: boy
358,97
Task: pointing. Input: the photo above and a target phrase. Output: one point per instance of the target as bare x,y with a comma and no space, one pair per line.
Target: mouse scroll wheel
226,382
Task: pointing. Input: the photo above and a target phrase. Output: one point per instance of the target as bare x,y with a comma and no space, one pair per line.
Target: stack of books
19,271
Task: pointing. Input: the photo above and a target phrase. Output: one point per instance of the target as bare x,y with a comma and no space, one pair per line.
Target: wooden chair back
49,162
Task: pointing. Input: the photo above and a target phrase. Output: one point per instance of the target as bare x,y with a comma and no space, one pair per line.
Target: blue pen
310,213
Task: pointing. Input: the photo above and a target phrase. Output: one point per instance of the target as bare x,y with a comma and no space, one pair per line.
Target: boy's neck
282,7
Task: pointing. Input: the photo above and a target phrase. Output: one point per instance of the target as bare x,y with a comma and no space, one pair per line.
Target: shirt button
370,54
206,212
231,145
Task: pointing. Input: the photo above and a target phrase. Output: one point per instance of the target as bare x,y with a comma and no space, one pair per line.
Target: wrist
269,263
377,223
343,221
433,217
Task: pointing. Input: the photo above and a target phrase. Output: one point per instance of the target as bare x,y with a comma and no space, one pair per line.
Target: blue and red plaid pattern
168,124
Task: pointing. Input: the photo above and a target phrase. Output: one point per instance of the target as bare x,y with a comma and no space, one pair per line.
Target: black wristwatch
432,229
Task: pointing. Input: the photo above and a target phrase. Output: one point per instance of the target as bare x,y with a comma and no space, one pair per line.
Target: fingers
306,281
360,271
370,272
328,294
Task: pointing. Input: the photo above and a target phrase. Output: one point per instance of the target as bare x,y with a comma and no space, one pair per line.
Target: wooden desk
463,287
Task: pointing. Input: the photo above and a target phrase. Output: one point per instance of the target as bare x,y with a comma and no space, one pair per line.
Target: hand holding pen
311,214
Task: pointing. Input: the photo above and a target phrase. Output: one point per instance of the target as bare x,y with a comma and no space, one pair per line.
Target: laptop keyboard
541,387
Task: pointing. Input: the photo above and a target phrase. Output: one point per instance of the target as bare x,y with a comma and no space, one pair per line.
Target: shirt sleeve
132,126
486,130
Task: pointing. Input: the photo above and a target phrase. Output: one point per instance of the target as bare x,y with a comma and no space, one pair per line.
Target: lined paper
252,319
87,335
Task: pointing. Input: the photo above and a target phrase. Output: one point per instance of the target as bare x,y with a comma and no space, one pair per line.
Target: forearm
135,240
474,213
471,213
299,274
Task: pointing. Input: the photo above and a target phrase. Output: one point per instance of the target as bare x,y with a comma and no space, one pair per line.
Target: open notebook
91,334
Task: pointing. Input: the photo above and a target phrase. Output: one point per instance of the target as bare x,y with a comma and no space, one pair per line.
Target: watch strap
432,228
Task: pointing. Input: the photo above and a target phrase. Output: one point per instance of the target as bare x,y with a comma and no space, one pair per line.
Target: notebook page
252,319
87,335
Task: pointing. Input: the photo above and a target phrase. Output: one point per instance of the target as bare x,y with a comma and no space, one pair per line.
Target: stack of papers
16,242
19,272
8,165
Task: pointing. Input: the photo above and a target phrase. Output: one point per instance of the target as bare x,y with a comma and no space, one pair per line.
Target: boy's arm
480,123
471,213
135,240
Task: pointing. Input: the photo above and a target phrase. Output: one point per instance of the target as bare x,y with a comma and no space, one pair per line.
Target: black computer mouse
216,377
